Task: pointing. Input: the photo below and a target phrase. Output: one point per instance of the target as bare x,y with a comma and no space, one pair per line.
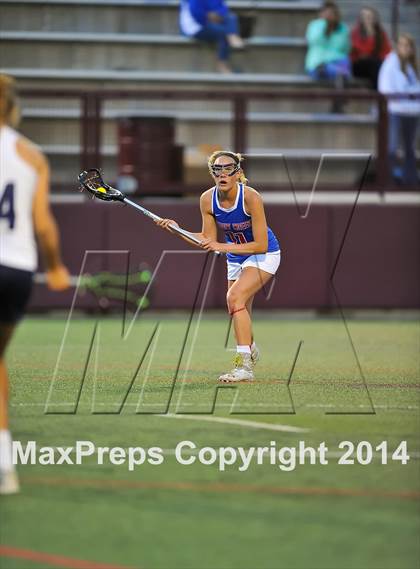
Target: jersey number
7,205
238,238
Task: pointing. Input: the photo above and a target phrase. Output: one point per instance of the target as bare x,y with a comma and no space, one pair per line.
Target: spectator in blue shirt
211,21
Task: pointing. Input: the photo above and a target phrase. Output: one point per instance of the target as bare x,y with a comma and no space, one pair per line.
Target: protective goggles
229,169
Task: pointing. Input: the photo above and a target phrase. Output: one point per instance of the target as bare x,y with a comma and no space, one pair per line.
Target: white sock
6,464
243,349
253,346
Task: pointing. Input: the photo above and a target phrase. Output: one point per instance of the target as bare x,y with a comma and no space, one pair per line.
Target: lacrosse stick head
91,181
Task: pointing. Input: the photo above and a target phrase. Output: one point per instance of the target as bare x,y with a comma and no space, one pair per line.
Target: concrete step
213,83
146,38
301,5
273,18
277,109
154,16
260,167
265,155
193,131
302,166
203,115
100,78
144,52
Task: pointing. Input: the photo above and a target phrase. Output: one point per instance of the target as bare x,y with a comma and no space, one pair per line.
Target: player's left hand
58,278
214,18
210,245
167,224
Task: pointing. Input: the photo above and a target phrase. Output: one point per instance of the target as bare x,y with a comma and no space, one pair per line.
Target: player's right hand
165,223
58,278
214,17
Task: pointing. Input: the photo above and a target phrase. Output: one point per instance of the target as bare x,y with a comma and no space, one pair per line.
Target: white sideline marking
237,423
389,407
308,405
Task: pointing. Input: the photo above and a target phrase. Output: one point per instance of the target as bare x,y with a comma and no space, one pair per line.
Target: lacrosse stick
91,181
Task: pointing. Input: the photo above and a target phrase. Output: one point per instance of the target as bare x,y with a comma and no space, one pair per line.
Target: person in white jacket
399,74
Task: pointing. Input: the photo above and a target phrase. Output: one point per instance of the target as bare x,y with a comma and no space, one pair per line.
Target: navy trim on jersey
236,223
232,208
243,204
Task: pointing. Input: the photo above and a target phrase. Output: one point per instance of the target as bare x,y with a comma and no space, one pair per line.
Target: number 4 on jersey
7,205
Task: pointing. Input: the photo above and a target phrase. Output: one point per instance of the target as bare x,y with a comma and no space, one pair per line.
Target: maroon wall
379,265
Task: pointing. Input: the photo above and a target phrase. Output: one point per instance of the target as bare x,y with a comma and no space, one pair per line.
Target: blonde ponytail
9,109
243,179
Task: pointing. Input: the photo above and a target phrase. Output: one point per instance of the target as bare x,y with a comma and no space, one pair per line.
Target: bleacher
132,44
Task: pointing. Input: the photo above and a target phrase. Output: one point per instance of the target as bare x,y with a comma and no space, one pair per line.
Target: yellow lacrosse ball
102,190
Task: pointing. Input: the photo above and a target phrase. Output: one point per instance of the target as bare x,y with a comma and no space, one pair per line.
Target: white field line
236,423
307,406
391,407
228,405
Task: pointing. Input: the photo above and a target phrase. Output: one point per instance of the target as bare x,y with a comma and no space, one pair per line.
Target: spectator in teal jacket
328,46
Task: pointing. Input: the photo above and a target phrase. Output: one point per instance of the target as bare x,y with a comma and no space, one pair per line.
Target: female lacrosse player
24,215
252,250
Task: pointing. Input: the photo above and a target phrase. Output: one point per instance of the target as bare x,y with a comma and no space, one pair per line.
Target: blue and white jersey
237,225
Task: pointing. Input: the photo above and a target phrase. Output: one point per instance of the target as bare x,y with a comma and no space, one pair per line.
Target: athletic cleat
255,355
9,483
242,370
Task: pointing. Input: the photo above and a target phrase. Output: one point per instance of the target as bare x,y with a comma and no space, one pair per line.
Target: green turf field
309,381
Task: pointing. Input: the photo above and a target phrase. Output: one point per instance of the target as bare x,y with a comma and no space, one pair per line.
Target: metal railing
395,19
92,103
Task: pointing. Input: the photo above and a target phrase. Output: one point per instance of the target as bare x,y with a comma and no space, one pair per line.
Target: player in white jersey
252,250
24,216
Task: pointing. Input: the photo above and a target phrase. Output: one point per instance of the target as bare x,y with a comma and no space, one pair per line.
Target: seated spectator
211,21
328,46
399,74
369,46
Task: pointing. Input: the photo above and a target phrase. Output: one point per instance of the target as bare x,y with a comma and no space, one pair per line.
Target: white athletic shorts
268,262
